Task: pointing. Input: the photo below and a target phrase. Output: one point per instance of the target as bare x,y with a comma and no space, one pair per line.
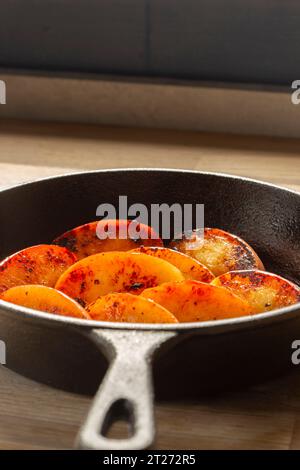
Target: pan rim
150,169
245,321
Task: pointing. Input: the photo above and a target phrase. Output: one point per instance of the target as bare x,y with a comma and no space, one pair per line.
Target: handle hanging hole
119,421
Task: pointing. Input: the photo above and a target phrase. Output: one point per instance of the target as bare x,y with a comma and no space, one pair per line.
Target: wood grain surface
34,416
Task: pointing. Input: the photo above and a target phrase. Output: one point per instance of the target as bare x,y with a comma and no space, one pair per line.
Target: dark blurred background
253,41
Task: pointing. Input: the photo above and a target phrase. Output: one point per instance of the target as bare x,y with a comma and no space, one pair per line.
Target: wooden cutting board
34,416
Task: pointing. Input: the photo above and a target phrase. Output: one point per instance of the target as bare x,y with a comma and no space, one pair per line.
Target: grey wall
228,40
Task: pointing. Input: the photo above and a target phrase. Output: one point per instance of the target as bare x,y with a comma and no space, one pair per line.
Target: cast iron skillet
61,351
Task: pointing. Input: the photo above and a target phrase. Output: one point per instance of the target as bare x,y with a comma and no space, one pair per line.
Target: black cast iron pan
73,354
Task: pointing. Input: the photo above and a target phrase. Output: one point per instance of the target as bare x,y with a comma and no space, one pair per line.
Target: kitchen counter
35,416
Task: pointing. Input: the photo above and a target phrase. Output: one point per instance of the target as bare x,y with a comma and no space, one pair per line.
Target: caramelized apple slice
40,264
192,301
220,251
129,308
190,267
45,299
84,240
101,274
263,291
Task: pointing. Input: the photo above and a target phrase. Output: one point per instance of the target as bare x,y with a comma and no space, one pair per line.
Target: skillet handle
126,390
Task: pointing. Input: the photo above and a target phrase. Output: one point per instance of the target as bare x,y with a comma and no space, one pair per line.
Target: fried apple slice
190,267
84,240
192,301
45,299
40,264
220,251
115,271
123,307
263,291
